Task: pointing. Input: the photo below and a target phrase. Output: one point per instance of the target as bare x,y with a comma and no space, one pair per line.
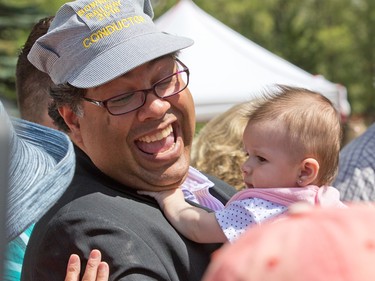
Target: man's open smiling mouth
160,142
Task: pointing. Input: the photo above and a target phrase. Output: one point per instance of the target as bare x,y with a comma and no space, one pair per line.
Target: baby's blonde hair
311,124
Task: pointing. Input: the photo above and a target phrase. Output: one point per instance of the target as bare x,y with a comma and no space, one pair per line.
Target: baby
292,141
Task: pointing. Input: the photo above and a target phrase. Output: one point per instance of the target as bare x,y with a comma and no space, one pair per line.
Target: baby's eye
261,159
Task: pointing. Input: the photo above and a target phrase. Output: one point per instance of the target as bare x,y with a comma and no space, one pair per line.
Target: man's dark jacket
130,230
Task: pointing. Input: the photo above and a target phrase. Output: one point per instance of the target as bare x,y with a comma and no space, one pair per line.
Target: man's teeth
159,136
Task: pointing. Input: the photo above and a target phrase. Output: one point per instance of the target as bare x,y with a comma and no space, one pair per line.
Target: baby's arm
193,222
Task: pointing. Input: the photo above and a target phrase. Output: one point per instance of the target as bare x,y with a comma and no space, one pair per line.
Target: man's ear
308,173
72,121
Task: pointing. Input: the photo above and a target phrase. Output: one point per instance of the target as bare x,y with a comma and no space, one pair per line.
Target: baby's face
270,162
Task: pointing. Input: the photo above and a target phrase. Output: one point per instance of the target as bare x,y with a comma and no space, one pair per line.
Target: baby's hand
163,196
149,193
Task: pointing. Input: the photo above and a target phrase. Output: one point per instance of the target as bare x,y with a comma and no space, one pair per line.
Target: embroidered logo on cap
97,12
111,28
100,9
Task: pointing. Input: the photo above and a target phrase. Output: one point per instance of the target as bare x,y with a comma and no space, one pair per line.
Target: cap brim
126,56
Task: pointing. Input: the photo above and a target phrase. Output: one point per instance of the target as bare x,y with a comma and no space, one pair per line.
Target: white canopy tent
227,68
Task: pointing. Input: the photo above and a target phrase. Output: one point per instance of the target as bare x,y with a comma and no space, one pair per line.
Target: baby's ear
308,172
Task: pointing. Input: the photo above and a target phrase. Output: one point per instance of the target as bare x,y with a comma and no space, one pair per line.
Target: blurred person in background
41,166
218,149
32,88
32,85
356,176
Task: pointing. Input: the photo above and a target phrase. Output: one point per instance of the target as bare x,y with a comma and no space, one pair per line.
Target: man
123,99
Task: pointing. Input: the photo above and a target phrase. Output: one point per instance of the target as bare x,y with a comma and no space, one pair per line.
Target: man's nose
154,107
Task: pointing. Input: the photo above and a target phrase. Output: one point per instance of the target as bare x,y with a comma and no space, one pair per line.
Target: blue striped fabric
356,177
41,166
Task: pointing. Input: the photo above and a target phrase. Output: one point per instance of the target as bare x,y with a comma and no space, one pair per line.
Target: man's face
147,148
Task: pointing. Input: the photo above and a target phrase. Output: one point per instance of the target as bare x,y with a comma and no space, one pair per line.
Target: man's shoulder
116,224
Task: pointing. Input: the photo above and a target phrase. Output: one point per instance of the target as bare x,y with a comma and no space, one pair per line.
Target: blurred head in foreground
315,244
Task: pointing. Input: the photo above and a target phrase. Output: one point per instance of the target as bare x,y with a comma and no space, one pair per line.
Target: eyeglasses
164,88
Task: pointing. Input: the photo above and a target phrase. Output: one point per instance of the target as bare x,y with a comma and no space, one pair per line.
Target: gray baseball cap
91,42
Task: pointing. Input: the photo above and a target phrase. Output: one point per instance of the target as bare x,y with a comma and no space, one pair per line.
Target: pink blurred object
310,244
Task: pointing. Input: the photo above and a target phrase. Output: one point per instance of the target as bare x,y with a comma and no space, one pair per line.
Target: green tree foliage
16,20
332,38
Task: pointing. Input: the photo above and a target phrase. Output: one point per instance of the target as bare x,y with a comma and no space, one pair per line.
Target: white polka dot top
239,215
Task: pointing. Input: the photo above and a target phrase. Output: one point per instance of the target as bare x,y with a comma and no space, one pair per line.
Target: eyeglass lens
164,88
